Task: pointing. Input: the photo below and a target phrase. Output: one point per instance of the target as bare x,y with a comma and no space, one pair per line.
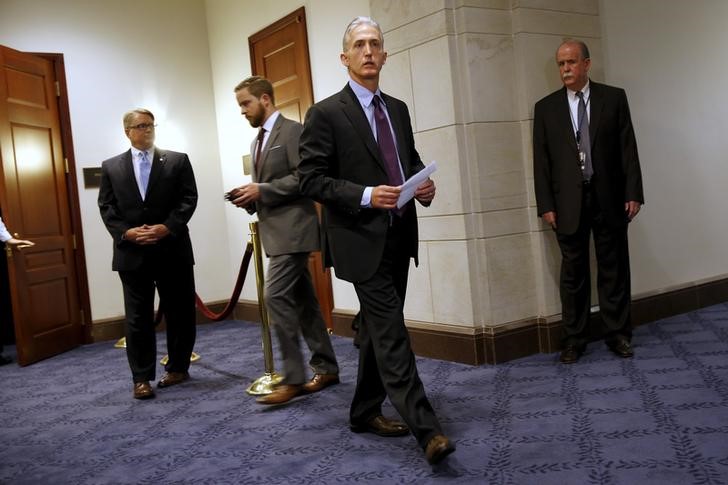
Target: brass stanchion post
265,383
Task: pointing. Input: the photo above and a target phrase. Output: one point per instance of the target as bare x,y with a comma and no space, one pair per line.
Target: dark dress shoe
281,393
622,348
381,426
438,448
570,354
142,390
172,378
320,381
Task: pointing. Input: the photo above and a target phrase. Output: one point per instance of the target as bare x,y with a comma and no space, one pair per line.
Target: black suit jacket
556,171
170,200
339,158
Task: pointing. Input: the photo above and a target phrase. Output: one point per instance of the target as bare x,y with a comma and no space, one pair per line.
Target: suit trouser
613,276
292,306
176,287
386,362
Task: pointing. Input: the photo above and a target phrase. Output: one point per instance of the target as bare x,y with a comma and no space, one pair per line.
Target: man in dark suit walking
588,181
147,197
289,230
357,147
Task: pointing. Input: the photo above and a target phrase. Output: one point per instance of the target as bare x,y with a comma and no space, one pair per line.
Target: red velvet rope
216,317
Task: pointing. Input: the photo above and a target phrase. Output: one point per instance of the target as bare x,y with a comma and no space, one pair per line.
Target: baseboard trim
493,345
496,345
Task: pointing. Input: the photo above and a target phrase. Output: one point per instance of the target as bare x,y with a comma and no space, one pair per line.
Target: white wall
121,55
230,23
670,57
667,54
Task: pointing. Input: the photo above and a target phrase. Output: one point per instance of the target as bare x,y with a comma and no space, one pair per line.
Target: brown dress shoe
281,393
142,390
381,426
172,378
321,381
438,448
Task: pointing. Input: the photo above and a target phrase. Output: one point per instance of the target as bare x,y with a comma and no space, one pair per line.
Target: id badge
582,159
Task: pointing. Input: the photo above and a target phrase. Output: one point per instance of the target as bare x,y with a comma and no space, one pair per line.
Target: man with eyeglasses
147,197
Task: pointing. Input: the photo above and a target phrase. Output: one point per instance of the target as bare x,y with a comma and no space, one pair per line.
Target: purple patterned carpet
660,418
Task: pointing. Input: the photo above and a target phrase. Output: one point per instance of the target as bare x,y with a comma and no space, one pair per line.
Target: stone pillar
470,72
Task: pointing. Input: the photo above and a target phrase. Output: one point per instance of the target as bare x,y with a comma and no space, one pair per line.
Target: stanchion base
264,384
121,343
193,358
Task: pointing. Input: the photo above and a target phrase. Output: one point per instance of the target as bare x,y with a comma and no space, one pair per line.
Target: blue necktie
145,167
582,138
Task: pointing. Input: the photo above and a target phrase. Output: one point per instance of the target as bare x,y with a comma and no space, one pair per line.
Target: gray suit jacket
288,220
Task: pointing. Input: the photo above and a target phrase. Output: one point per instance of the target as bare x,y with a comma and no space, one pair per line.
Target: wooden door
34,197
280,54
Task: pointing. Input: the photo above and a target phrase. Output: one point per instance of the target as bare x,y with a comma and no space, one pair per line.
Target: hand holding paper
411,184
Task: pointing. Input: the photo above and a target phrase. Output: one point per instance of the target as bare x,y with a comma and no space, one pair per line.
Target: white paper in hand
411,184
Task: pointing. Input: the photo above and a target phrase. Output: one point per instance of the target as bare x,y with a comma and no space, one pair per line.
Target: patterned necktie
386,144
145,167
582,138
258,148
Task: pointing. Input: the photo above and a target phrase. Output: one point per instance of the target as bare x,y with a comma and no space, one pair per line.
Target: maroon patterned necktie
386,144
258,148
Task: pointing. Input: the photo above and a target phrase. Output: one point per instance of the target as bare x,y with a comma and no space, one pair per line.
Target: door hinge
74,242
65,163
58,89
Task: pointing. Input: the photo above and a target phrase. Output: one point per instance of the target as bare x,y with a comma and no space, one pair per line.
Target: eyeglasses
143,126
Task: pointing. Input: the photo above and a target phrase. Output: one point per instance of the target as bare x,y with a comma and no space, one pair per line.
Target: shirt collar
268,125
363,94
585,90
135,153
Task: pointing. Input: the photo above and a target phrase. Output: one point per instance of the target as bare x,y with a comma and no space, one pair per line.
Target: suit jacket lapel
596,102
565,119
157,161
274,134
126,167
354,112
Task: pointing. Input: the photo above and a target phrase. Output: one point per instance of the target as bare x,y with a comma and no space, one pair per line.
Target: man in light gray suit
289,231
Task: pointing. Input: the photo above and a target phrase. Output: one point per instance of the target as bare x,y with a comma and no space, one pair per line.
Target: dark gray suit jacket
556,169
171,200
339,159
288,220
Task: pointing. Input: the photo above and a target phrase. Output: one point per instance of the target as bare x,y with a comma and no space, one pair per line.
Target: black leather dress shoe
381,426
172,378
438,448
622,348
570,354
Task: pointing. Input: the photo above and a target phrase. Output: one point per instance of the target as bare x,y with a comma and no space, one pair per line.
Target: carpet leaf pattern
658,418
